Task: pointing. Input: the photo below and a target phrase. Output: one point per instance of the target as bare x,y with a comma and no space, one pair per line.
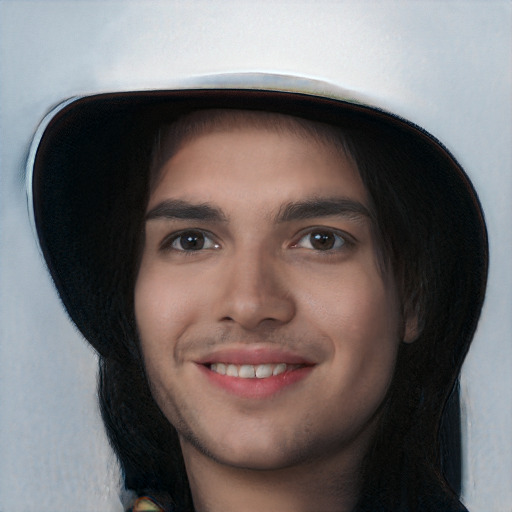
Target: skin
259,283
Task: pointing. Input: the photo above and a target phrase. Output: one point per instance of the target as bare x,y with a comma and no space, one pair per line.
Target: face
269,331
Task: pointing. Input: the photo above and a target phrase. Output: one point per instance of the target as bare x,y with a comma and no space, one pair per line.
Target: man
281,288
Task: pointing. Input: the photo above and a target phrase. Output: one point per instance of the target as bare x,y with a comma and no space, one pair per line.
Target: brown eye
321,240
188,241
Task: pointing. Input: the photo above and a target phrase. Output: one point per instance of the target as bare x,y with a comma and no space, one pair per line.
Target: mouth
254,373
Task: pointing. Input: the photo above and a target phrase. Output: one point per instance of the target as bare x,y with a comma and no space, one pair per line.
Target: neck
325,486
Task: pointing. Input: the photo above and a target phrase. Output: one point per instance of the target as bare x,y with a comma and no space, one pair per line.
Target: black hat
85,178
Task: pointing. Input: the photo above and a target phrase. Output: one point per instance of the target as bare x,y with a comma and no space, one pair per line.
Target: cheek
161,311
164,303
358,313
372,344
371,324
357,302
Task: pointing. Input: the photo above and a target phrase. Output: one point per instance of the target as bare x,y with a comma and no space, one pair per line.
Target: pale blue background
443,64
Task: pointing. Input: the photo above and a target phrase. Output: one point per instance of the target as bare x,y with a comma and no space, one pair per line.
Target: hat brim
78,163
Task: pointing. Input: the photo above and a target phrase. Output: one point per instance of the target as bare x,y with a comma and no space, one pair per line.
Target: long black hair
432,238
436,242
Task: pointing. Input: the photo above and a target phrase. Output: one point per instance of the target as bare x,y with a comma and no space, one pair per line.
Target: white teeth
264,370
219,368
279,368
232,370
249,371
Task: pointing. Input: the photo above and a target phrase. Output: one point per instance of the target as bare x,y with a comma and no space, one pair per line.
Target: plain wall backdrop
445,65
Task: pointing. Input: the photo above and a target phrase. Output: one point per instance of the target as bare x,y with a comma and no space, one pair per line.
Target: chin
247,453
258,461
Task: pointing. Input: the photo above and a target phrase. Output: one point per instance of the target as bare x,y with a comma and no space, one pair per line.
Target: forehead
267,163
170,138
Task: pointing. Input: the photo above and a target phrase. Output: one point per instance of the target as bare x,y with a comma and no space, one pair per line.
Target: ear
411,329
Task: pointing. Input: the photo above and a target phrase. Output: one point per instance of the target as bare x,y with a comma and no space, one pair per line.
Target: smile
254,381
251,371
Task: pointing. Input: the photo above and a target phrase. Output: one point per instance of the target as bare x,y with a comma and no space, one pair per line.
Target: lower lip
256,388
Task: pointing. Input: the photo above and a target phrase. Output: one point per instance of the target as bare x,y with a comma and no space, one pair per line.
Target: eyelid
167,243
348,240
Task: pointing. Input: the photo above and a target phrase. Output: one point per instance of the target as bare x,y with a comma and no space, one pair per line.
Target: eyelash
168,244
341,240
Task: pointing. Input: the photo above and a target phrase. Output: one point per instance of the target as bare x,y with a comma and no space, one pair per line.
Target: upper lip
253,356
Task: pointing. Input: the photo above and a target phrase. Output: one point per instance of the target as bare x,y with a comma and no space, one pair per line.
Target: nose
255,293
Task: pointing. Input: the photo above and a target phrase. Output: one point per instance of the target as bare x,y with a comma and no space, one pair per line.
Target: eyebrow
178,209
323,207
293,211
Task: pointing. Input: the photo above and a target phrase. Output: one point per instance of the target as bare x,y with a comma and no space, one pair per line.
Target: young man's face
268,329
